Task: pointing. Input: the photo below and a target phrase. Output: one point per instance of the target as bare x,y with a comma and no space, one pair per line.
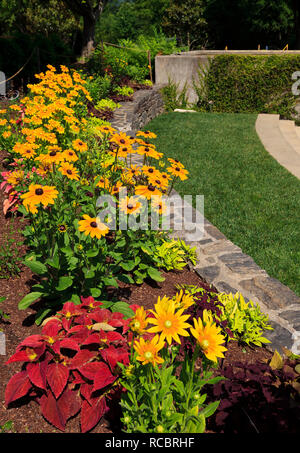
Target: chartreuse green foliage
249,84
175,254
107,104
124,91
245,320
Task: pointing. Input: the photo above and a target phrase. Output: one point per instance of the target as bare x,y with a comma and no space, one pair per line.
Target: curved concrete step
288,130
269,132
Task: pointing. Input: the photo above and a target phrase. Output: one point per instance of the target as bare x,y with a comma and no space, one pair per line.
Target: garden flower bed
107,327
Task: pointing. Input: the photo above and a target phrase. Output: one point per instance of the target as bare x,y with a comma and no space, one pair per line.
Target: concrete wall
183,68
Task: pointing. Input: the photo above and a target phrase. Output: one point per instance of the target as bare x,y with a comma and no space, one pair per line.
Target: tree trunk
88,37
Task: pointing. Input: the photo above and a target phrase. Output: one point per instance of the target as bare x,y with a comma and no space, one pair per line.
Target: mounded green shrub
248,84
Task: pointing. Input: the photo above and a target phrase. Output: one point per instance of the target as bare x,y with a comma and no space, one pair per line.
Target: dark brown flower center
93,224
53,153
130,206
147,149
177,169
150,170
39,191
151,188
122,141
62,228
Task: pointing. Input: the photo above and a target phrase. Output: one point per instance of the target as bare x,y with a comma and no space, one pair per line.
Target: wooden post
149,64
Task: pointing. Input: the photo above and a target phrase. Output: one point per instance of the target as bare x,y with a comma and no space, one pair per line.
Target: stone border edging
221,263
133,115
224,266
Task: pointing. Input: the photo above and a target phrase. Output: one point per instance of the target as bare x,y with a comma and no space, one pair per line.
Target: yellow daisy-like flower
79,145
39,194
158,205
69,155
158,182
91,226
146,134
15,177
147,191
150,171
147,351
116,188
103,183
130,205
169,322
3,121
149,151
107,129
122,139
208,336
178,171
6,134
69,170
53,157
139,322
183,300
175,162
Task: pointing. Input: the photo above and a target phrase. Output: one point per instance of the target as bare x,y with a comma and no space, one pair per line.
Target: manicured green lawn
248,196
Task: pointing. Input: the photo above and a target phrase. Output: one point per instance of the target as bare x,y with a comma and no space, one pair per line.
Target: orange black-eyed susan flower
159,205
175,162
107,129
79,145
103,183
178,171
39,194
122,139
69,155
149,171
115,189
69,170
147,191
146,134
130,205
158,182
149,151
92,227
15,177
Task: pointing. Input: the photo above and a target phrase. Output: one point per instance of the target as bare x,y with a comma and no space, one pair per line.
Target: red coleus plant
72,366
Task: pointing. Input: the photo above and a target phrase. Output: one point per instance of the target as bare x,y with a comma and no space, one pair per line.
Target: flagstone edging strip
133,115
221,263
225,267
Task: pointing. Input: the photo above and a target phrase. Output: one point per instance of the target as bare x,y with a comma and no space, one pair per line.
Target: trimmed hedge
249,84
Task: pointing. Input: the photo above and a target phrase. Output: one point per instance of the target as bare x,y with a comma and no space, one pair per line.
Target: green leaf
36,267
155,274
64,283
95,292
110,281
122,307
76,299
92,253
29,299
210,409
41,315
128,266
